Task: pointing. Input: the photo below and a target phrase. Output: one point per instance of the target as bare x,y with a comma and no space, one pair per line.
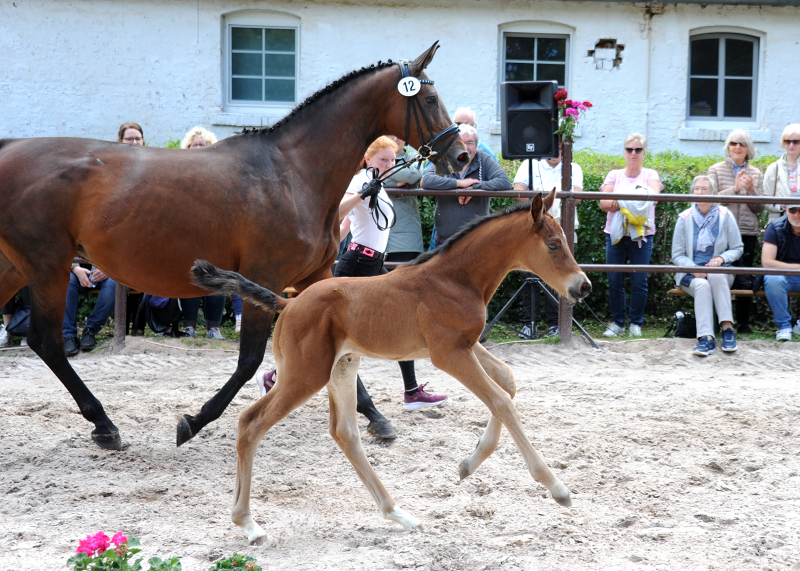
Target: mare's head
428,115
547,253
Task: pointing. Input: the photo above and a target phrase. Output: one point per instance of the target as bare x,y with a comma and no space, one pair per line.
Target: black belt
369,252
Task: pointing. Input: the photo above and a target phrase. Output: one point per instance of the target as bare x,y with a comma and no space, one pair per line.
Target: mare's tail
221,282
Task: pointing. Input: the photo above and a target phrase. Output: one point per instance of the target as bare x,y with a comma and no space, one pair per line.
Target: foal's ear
422,61
537,209
548,201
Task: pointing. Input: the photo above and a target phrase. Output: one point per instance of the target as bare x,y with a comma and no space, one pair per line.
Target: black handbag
683,326
18,326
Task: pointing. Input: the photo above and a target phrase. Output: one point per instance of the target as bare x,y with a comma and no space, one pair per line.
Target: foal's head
547,253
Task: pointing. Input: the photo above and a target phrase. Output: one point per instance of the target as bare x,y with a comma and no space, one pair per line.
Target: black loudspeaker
530,117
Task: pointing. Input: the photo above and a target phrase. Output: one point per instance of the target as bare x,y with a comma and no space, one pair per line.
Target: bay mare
434,308
263,203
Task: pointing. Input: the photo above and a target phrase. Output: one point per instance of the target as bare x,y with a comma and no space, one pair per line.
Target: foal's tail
221,282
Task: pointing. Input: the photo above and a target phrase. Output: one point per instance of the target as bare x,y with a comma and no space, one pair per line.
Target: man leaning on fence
781,250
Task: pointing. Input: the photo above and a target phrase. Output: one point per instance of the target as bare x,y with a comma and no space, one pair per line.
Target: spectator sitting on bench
82,280
708,235
781,250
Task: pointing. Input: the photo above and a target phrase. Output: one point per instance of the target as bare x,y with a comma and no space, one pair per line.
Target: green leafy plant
237,561
98,552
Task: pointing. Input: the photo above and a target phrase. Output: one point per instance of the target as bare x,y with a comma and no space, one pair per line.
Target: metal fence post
120,316
568,225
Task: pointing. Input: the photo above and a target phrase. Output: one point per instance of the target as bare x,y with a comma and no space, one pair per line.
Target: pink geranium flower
572,112
84,546
118,539
99,542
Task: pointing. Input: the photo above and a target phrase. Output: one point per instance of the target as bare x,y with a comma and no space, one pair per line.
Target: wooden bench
734,293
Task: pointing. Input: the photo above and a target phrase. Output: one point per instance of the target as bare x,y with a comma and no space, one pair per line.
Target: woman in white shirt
364,257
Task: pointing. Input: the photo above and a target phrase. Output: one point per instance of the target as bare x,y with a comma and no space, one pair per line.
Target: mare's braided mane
324,91
425,256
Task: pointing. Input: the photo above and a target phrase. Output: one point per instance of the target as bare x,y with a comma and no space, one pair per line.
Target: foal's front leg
344,430
500,374
464,366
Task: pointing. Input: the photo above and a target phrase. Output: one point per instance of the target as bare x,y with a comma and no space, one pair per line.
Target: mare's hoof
185,433
382,429
108,441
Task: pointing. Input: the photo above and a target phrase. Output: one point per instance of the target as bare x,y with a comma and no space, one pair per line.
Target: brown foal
433,308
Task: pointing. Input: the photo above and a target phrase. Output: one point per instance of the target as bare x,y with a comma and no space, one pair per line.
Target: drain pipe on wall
650,10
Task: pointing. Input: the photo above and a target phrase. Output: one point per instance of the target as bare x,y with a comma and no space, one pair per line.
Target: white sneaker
784,335
3,336
795,329
614,330
24,342
214,333
635,330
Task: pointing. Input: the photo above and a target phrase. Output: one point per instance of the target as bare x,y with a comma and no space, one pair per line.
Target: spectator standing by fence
627,250
405,237
736,177
781,179
454,212
213,305
546,177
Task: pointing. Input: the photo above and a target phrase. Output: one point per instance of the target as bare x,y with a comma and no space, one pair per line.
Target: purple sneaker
266,381
422,399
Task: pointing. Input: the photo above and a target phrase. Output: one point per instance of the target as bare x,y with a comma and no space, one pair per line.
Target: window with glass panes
722,77
536,58
263,64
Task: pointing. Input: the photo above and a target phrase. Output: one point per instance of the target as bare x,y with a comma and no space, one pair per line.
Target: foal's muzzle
580,290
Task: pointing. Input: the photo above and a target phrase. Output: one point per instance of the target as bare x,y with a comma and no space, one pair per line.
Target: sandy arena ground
675,462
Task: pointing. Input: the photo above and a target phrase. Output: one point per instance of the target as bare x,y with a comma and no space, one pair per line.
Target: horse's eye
431,99
553,246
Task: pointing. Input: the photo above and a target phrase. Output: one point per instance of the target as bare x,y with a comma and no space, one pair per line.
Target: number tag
408,86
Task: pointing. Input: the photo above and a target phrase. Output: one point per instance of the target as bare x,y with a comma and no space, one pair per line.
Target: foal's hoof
561,496
382,429
185,433
107,440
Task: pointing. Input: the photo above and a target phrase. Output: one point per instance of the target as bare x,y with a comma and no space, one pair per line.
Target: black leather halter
447,136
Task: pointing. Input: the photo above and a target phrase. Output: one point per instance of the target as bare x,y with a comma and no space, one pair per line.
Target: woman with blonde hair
628,250
781,177
735,176
213,305
364,257
198,137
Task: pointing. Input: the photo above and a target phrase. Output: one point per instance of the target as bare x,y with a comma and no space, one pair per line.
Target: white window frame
257,19
742,35
534,34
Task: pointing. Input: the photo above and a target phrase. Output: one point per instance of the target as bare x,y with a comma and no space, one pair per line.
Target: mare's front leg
344,430
48,303
254,336
500,374
465,367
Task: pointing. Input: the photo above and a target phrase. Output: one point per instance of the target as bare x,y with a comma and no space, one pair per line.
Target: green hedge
676,171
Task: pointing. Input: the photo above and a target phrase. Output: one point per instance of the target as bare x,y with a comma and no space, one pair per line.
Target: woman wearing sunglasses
627,250
735,176
781,177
